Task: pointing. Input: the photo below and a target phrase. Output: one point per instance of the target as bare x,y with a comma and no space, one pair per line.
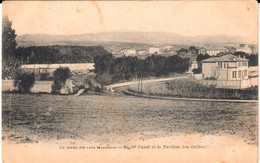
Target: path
112,87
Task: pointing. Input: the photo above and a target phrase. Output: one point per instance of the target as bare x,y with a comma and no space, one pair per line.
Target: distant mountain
129,37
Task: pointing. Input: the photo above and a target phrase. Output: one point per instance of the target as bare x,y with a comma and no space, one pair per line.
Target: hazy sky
182,17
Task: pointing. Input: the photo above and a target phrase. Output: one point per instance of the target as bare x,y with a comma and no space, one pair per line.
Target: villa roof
227,57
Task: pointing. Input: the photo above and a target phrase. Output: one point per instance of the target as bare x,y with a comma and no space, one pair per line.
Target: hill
127,37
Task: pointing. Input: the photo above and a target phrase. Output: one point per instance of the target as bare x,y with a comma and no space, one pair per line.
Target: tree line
58,54
110,69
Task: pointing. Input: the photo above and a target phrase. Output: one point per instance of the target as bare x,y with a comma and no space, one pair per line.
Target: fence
228,84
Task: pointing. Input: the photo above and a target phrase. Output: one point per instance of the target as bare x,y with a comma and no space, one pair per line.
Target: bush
196,71
104,79
26,82
60,76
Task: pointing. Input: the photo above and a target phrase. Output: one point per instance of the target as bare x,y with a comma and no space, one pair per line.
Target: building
227,71
141,51
167,48
249,49
212,51
193,65
244,49
130,52
152,50
50,68
254,49
231,49
215,51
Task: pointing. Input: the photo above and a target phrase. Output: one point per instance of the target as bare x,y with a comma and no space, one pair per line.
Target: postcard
130,81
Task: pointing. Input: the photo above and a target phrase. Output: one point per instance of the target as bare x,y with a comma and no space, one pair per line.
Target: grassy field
35,118
192,88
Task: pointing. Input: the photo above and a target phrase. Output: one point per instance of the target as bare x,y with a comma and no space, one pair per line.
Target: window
244,63
234,74
245,73
239,64
239,74
220,64
232,64
225,65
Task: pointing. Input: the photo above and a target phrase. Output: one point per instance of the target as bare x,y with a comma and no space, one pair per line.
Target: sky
189,18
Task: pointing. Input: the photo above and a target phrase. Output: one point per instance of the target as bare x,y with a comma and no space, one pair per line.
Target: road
112,87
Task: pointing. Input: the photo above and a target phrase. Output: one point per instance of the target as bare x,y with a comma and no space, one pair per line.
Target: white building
244,49
130,52
250,49
141,51
50,68
227,71
153,50
167,48
213,51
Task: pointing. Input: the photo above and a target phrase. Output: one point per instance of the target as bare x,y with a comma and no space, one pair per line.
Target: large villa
229,71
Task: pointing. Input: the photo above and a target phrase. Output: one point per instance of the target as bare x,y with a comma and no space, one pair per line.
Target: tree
253,58
8,35
60,76
193,50
26,82
10,64
199,58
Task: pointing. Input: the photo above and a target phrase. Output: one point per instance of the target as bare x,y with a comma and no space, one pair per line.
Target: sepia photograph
130,81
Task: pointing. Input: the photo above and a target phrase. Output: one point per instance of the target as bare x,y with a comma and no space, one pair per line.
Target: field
39,118
192,88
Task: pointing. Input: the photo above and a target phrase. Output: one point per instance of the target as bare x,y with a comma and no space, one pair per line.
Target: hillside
127,37
60,54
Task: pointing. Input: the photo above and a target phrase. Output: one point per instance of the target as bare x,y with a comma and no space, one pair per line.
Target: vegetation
59,54
45,76
10,64
109,69
190,53
25,82
60,76
253,58
199,58
192,88
8,35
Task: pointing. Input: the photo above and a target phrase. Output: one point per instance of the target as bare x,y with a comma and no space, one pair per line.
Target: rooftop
216,48
227,57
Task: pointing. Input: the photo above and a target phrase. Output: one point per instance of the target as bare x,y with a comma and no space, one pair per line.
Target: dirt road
112,87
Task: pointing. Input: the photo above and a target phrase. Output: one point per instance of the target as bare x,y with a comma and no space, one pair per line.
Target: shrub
104,78
26,82
196,71
60,76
